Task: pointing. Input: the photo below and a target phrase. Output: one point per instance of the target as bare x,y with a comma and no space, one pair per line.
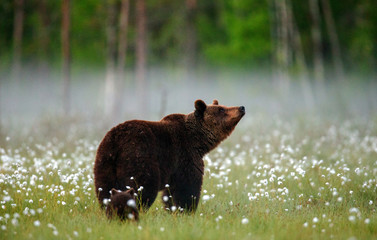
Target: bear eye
222,110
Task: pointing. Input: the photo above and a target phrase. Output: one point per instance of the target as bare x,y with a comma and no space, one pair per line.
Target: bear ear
131,191
114,192
215,102
200,107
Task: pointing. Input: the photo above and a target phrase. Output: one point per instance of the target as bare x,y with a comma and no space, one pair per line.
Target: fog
173,91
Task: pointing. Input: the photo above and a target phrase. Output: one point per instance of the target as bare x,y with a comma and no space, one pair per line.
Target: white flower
106,201
167,185
7,198
306,224
206,197
131,203
50,225
165,198
315,220
367,221
352,218
15,221
370,202
245,221
37,223
162,229
32,212
354,210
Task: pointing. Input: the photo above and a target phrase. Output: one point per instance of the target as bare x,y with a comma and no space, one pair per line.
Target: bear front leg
187,189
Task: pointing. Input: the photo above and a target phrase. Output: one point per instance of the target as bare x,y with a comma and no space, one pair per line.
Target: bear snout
242,109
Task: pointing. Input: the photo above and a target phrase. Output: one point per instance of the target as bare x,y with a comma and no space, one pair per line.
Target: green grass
300,179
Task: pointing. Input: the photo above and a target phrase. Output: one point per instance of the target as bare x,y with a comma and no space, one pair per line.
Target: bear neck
202,140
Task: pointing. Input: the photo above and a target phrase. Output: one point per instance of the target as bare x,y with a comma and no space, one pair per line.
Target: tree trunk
66,53
17,38
141,55
123,29
282,46
43,40
317,42
122,53
300,57
334,41
190,44
111,35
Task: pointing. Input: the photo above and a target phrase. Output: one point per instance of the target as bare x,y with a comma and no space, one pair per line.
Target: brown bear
147,155
122,204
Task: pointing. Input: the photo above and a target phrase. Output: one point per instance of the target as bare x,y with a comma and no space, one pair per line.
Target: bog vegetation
273,178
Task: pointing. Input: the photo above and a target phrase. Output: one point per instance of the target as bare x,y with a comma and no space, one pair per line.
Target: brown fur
121,206
152,154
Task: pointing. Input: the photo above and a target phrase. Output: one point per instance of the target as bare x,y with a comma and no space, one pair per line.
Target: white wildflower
206,197
131,203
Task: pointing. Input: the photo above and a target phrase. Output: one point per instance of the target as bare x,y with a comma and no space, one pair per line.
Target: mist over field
171,91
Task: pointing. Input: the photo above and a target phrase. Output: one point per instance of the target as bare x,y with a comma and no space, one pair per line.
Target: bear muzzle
242,110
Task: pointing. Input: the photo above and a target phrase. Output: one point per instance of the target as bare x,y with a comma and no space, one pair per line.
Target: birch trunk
334,41
141,56
317,42
111,36
66,53
18,26
122,54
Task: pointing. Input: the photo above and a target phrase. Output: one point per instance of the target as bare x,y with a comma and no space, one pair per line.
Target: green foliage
246,32
228,33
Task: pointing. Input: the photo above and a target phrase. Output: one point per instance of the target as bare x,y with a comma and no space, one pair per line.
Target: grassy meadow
273,178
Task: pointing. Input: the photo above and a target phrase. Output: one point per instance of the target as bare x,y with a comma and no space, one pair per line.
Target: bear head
123,205
217,120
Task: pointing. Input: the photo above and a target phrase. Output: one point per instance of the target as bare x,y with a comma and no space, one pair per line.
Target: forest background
144,47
